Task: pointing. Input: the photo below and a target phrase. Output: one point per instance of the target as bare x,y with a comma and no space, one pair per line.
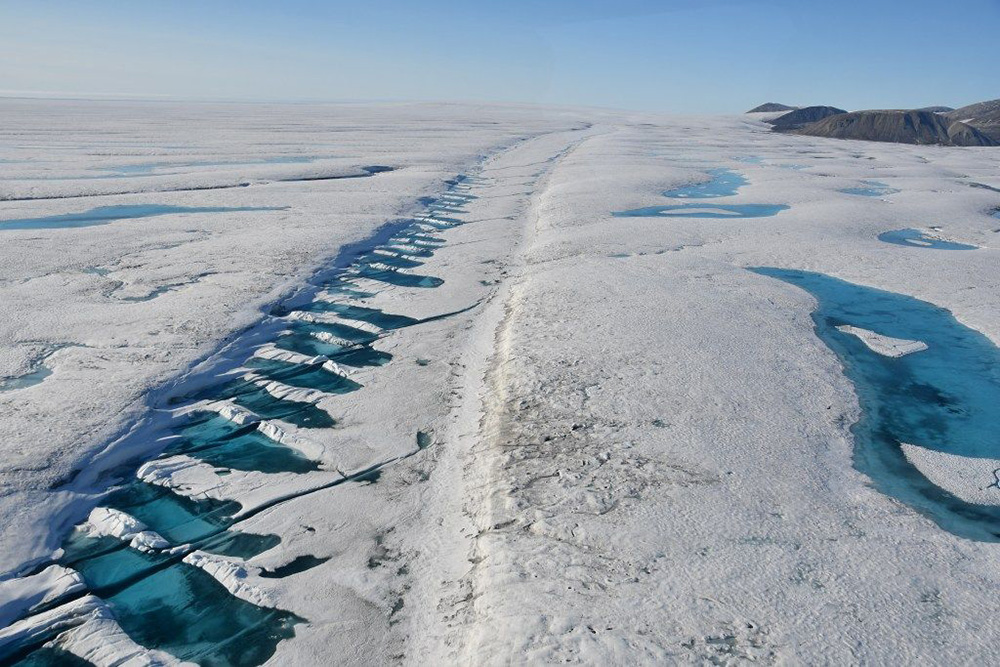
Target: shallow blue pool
945,398
27,380
870,189
724,183
704,211
144,168
103,215
914,238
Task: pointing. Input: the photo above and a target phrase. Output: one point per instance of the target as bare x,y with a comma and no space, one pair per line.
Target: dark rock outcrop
800,117
771,106
936,109
984,116
906,127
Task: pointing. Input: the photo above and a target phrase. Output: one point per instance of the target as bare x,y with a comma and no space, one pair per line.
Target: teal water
724,183
414,250
306,377
27,380
258,400
945,398
355,356
394,261
344,287
344,331
914,238
718,211
50,657
177,518
104,215
242,448
164,603
870,189
363,314
399,278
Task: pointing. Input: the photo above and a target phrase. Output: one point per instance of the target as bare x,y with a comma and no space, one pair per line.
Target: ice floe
125,527
884,345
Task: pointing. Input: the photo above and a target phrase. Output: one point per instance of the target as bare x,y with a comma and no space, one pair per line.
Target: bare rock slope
906,127
769,107
984,116
801,117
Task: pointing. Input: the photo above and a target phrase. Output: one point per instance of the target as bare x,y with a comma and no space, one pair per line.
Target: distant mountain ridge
898,126
770,107
984,116
973,125
804,116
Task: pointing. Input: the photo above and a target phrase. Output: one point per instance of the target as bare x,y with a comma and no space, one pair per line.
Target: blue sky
670,56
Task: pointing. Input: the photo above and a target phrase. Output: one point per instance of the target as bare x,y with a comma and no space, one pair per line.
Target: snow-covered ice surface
522,429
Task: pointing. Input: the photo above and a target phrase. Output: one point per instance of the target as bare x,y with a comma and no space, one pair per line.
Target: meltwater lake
718,211
870,189
945,398
103,215
914,238
723,183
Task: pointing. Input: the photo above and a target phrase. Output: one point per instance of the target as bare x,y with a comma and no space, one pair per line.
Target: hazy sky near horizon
674,56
